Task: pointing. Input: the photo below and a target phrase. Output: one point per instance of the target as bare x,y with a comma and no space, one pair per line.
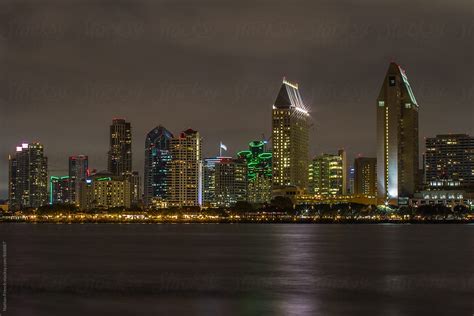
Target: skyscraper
365,180
120,152
157,160
397,137
78,170
328,174
449,162
209,180
230,181
28,177
185,175
59,190
259,172
290,133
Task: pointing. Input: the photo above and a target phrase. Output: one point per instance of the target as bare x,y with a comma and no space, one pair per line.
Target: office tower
449,162
28,177
59,190
328,174
209,181
104,190
230,181
350,180
290,133
185,174
397,137
135,193
78,170
157,159
120,152
365,181
259,172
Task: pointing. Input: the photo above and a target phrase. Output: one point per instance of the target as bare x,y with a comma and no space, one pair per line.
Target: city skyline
151,70
232,152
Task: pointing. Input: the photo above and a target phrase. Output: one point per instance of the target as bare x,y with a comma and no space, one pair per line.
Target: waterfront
239,269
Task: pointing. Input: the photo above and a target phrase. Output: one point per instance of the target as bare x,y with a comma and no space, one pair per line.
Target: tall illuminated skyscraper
78,170
28,177
120,152
157,160
397,137
259,172
290,137
185,173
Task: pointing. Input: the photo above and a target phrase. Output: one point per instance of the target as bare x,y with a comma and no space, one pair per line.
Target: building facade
365,177
157,160
449,162
104,190
185,173
259,172
120,152
209,181
78,171
290,137
397,137
28,177
59,190
230,181
328,174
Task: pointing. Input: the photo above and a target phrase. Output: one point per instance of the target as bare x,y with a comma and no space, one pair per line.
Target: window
391,81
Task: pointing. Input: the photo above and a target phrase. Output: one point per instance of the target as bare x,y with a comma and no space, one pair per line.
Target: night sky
67,67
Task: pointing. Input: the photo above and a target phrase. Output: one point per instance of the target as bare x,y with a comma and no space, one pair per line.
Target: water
239,269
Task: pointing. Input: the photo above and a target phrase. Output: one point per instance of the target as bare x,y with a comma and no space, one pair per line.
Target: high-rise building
104,190
185,173
120,152
209,181
157,160
59,190
135,191
290,137
328,174
365,180
259,172
78,170
230,181
28,177
351,180
449,162
397,137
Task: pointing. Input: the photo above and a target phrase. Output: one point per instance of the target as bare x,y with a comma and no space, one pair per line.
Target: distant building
104,190
185,174
209,181
328,174
365,181
59,190
259,172
351,180
397,137
290,138
230,181
449,162
120,152
135,189
78,171
157,164
28,177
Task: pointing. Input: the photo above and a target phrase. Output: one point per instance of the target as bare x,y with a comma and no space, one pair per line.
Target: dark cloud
68,67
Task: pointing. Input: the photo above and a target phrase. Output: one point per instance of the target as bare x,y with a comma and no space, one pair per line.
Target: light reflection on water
244,269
